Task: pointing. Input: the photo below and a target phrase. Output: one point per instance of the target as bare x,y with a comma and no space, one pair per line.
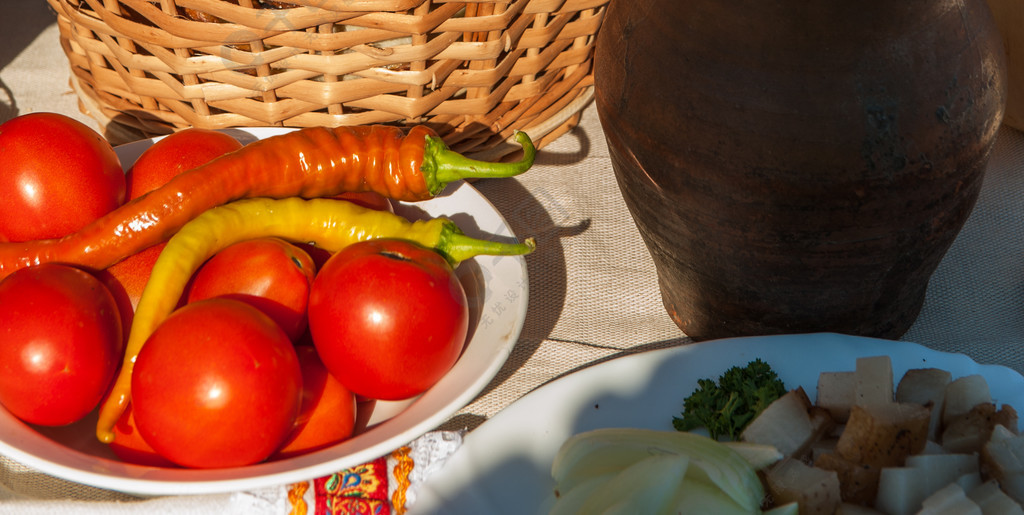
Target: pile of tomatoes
276,347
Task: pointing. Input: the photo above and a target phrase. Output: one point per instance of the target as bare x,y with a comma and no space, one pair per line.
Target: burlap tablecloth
593,291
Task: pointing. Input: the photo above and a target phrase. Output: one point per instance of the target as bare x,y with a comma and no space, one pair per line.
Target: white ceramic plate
504,465
495,285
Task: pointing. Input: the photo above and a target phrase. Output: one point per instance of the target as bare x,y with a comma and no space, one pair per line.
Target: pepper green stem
442,165
456,247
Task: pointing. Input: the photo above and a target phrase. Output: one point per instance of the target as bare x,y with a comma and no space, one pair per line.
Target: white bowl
495,285
504,466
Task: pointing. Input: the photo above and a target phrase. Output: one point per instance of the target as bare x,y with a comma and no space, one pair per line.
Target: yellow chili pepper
326,223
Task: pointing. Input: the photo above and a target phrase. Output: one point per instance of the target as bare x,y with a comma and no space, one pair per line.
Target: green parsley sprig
725,407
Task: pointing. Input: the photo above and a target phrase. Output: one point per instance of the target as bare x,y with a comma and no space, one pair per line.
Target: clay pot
793,166
1009,17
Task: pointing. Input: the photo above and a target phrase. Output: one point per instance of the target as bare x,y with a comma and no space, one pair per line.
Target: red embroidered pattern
360,490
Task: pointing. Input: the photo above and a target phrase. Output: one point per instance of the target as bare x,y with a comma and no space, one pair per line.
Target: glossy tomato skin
268,273
176,153
127,278
388,317
168,157
130,447
56,176
218,384
328,413
60,343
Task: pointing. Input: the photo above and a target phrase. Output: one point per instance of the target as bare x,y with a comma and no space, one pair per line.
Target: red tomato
127,278
268,273
60,343
171,155
129,445
328,413
218,384
56,176
388,318
176,153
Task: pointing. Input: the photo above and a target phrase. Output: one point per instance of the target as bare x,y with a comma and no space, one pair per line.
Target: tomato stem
442,165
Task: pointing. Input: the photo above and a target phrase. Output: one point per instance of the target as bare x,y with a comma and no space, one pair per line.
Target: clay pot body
798,166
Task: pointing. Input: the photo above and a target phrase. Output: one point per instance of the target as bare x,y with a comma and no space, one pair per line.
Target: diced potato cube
814,489
963,394
993,501
1014,487
926,386
1004,456
884,434
950,500
785,424
902,490
822,446
969,432
931,447
858,483
822,423
1003,459
836,393
969,481
1001,432
873,381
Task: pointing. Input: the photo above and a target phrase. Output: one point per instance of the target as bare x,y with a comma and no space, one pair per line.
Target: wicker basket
474,71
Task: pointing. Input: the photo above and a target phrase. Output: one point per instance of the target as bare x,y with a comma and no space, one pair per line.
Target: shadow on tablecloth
20,25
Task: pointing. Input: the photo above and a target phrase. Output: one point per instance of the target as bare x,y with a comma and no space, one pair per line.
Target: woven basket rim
475,71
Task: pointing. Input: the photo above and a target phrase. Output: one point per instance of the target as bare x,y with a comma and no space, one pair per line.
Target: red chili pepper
311,162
